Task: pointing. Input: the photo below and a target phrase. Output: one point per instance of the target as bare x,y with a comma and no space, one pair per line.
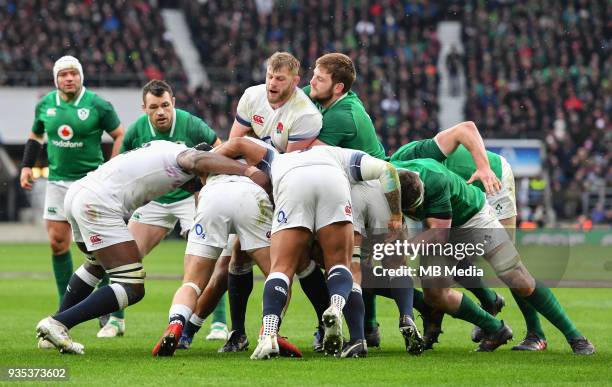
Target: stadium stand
392,43
122,42
538,70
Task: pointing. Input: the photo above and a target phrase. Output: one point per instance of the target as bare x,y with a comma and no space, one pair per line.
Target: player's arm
239,129
304,131
201,163
370,168
466,133
117,135
240,147
31,152
437,231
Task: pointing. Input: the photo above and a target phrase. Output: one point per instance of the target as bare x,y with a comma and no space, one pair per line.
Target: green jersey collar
58,100
336,101
154,132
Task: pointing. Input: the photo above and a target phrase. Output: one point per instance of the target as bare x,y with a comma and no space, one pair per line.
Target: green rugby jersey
460,161
346,124
446,194
74,132
186,129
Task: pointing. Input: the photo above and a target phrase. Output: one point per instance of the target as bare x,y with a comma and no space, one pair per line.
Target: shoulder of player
97,101
302,101
47,99
256,91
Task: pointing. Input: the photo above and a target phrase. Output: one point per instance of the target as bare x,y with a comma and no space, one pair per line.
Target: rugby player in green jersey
504,204
347,124
152,222
443,200
74,119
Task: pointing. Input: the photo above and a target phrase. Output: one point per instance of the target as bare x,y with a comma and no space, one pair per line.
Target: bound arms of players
201,163
466,133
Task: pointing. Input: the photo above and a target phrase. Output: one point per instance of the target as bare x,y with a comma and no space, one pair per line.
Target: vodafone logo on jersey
65,132
258,119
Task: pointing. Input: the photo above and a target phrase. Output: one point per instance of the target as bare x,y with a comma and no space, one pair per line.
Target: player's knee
59,245
523,292
128,283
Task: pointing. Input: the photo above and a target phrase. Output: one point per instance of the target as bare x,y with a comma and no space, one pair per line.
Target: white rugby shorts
311,197
234,207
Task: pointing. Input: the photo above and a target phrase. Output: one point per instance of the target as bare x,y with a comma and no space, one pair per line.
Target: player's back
332,156
136,177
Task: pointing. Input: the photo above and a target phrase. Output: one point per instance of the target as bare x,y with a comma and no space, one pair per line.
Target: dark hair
340,67
411,188
203,147
157,88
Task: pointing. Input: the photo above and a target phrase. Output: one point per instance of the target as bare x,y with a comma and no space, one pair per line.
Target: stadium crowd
538,70
393,45
534,69
122,42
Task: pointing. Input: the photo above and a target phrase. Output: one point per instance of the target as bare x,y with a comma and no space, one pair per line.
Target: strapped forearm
30,153
372,168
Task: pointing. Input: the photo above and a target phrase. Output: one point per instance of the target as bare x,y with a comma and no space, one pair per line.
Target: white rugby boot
267,347
56,333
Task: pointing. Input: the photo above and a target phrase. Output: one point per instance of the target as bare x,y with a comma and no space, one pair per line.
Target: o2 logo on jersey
83,113
258,119
65,132
281,217
279,128
199,230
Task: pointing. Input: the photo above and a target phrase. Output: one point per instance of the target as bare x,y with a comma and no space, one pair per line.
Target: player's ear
296,80
173,101
338,88
144,108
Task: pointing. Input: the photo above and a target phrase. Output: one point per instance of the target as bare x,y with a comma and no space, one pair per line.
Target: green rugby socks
471,312
62,270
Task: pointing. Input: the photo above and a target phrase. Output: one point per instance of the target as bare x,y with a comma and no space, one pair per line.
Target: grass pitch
27,294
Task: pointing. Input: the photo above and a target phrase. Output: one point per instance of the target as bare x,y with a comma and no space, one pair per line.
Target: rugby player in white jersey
312,196
96,207
227,204
282,115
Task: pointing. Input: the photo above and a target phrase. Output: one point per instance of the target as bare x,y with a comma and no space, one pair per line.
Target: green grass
25,299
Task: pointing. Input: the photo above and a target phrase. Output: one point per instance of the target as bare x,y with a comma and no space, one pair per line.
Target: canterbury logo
280,289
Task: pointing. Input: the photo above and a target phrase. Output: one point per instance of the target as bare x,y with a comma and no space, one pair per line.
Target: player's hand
488,179
27,178
258,177
395,228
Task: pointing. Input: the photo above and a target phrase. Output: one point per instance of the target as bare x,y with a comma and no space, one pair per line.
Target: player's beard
70,95
281,97
323,98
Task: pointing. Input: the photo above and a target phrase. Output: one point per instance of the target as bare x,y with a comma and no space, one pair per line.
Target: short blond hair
280,60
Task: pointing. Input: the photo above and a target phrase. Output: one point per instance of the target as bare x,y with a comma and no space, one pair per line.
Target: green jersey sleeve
129,139
422,149
337,128
109,120
38,126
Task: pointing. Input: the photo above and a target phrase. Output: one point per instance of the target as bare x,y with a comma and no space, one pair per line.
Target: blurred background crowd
538,70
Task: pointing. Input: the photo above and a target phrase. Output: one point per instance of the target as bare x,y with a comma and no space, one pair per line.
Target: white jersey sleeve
305,127
243,115
138,176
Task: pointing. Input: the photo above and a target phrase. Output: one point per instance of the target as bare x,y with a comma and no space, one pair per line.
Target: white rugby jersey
347,160
298,119
138,176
